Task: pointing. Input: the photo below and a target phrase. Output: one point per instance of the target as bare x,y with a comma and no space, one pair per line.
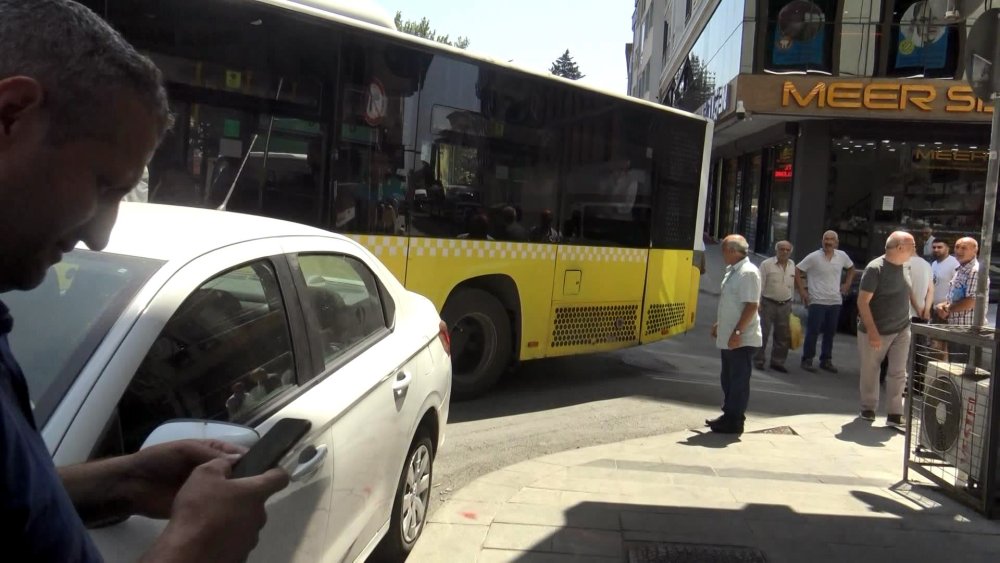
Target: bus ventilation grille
663,316
584,326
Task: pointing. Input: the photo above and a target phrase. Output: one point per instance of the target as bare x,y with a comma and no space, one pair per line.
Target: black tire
480,341
403,533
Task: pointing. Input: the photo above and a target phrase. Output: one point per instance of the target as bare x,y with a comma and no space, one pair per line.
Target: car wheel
409,509
480,341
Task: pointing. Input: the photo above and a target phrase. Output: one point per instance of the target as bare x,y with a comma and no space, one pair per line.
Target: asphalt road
548,406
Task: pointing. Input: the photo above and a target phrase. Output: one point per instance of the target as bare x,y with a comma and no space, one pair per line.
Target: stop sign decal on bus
375,102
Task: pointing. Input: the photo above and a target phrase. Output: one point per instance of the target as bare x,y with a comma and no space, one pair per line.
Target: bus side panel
436,266
671,294
596,299
391,251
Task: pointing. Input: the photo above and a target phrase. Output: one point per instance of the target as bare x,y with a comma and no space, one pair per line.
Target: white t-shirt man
824,276
943,271
921,277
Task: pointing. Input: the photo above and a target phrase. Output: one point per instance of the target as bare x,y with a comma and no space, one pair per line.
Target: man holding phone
81,113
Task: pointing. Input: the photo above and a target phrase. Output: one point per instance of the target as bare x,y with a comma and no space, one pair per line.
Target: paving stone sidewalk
812,488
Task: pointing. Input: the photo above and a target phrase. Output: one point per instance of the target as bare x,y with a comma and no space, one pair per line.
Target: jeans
737,365
822,319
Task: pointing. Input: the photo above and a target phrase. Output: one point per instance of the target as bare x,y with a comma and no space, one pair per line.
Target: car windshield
59,324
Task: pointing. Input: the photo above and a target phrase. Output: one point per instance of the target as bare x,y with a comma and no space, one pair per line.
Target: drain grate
786,430
660,552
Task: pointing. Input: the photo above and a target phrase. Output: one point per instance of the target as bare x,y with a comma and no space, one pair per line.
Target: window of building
345,300
859,37
666,42
881,185
777,180
225,355
714,59
800,35
921,44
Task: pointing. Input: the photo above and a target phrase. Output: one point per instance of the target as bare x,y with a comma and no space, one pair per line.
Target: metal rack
952,414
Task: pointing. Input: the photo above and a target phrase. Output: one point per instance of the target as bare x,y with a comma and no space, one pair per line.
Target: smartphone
273,446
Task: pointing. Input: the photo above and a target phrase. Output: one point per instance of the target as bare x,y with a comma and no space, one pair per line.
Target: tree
565,67
423,29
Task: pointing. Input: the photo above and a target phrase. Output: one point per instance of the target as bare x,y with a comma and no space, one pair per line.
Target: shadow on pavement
865,433
894,527
707,439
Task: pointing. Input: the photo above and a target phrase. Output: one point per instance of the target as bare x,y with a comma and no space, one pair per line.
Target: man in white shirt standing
736,333
824,297
777,276
943,267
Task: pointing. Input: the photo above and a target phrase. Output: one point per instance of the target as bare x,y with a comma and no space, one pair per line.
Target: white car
197,323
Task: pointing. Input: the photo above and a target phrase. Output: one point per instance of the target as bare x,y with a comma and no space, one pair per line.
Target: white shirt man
943,267
824,297
922,280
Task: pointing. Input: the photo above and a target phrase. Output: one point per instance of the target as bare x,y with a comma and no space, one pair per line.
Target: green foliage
423,29
565,67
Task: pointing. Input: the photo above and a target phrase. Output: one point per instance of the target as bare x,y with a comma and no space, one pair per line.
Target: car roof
170,232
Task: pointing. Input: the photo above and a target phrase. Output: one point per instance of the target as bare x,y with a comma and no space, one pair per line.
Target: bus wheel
480,341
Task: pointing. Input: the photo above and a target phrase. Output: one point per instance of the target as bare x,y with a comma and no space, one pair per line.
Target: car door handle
308,466
402,383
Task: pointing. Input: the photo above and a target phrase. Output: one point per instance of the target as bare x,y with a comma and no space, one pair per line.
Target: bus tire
480,341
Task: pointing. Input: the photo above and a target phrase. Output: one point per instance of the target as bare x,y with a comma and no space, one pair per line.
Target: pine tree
423,29
565,66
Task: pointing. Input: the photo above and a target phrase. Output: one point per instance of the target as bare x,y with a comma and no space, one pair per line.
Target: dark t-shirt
38,522
890,303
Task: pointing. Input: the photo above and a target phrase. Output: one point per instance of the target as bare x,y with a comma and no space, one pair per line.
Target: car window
223,355
59,324
343,296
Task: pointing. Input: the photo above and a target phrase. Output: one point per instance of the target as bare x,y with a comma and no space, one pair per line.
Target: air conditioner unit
953,416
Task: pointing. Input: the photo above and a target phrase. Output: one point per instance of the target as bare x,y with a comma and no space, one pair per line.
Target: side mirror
173,430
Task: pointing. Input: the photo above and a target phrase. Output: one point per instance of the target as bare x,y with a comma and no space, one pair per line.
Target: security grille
584,326
664,316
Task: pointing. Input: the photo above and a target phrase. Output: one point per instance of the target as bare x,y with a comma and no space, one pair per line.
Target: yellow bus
544,218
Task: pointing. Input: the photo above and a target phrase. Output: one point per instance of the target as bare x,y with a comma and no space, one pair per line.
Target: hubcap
473,343
416,494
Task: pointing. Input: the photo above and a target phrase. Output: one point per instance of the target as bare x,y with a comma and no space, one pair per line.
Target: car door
367,369
223,341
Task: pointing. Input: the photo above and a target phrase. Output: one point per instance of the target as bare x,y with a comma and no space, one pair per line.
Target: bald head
734,248
899,247
966,249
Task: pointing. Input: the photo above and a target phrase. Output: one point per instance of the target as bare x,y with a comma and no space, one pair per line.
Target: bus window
374,136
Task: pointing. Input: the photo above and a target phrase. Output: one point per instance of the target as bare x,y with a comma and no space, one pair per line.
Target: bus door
601,266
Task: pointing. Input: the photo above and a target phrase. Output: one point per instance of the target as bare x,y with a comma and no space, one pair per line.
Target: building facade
850,115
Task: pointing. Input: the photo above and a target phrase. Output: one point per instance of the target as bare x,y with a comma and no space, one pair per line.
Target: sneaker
779,368
868,415
827,365
894,420
808,366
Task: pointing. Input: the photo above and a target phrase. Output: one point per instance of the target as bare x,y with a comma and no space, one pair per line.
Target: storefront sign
923,99
883,96
717,104
954,159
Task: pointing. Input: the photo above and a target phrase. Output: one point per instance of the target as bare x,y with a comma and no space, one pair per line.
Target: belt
775,301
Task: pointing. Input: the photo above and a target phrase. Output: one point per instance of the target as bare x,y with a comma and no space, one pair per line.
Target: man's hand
156,474
845,288
734,341
875,340
805,297
214,518
942,310
715,330
926,313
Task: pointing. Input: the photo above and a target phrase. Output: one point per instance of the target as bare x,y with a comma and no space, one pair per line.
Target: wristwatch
738,332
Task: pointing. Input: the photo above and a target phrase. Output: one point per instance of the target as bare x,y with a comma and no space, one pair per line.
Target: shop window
878,186
921,43
800,35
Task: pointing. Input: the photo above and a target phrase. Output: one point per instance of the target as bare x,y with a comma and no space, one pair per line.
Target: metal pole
989,212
